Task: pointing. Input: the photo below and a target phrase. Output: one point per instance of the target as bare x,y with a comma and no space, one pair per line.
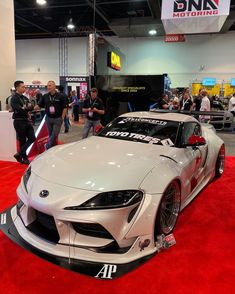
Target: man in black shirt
197,103
38,95
55,108
93,107
66,118
25,133
164,102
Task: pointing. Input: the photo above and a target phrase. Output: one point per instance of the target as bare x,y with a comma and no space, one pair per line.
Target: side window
190,129
197,130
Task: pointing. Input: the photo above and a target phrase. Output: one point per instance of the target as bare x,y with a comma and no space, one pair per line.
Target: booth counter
7,137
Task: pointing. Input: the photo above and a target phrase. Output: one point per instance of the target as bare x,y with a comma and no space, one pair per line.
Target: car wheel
219,167
168,210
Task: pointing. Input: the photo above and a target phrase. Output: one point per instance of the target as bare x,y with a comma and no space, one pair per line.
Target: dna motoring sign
194,16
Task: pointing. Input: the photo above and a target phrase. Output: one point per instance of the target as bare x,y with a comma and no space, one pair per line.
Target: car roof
163,116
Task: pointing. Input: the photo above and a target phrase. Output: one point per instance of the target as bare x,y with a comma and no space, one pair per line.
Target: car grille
93,230
44,226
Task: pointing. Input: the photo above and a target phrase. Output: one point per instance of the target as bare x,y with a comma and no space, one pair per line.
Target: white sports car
109,198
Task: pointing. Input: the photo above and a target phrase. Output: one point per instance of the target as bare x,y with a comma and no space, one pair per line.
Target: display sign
192,8
194,16
129,92
228,89
196,87
75,79
83,91
128,89
232,82
33,90
208,81
114,61
174,38
36,82
212,90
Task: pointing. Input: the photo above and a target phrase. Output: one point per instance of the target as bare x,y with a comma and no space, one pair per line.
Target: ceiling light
41,2
152,32
70,24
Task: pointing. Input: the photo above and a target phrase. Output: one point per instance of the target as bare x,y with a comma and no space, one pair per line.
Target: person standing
38,95
66,118
55,108
205,106
175,104
75,105
231,106
8,100
186,103
197,103
25,133
164,102
93,107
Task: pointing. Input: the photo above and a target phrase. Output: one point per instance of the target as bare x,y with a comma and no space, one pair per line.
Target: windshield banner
134,136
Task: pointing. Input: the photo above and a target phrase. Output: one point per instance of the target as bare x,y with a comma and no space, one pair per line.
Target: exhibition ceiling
123,18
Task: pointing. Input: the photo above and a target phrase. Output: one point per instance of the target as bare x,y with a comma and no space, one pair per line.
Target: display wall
7,50
39,59
103,47
200,56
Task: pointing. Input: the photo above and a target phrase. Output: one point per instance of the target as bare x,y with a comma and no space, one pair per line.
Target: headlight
115,199
26,177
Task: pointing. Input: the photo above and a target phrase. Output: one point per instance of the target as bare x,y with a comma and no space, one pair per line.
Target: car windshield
145,130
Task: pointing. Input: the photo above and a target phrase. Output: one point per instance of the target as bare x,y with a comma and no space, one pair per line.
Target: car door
196,157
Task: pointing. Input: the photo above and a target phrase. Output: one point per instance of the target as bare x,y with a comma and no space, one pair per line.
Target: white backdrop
7,49
8,137
39,59
214,53
200,56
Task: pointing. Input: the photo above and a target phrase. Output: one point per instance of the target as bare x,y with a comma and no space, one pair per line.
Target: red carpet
202,261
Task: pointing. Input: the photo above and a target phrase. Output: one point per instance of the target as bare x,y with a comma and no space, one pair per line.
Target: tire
168,210
219,166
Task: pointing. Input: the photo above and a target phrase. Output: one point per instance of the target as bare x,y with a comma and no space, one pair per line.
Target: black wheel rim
170,206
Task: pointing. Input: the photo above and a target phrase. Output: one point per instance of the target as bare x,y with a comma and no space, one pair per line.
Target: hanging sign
233,82
174,38
194,16
208,82
114,61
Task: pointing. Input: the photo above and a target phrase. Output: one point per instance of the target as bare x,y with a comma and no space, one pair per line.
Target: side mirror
98,129
196,141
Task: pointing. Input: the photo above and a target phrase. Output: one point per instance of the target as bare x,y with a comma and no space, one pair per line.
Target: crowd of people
202,102
56,106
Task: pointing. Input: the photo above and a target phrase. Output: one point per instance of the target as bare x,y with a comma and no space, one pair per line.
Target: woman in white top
205,106
231,106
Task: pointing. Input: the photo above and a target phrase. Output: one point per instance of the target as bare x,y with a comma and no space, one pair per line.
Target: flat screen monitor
233,82
208,81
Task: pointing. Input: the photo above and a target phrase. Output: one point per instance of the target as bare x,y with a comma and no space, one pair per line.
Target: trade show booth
8,146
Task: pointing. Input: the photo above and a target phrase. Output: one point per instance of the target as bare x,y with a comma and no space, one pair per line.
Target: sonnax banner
194,16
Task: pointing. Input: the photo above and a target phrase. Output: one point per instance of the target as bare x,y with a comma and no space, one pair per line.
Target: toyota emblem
44,193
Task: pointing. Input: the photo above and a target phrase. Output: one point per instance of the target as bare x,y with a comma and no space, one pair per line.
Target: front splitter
93,269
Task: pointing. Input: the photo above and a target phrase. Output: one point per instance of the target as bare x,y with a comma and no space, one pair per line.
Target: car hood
99,164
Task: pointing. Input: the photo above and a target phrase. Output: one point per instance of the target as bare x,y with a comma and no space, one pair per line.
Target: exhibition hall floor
202,261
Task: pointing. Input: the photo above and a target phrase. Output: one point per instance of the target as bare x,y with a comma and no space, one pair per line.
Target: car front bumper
79,260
